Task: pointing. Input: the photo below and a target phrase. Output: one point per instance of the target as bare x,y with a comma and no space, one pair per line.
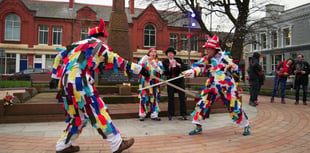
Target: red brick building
31,30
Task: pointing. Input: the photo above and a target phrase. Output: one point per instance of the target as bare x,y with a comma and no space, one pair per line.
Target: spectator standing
301,70
173,68
255,71
150,97
283,70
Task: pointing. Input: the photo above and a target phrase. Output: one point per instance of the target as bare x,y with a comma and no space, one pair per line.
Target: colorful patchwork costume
149,98
80,98
221,85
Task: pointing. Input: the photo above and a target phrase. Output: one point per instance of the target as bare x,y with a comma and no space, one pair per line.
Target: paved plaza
276,128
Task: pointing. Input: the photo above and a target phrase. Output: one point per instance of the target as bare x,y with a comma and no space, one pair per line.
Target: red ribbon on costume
196,116
74,102
109,66
102,119
66,60
240,118
229,96
93,44
141,109
90,61
78,121
119,59
101,106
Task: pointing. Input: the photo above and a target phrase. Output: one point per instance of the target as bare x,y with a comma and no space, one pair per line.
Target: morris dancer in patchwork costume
222,84
81,99
149,98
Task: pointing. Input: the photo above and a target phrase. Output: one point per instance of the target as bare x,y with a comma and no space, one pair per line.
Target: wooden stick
174,86
159,83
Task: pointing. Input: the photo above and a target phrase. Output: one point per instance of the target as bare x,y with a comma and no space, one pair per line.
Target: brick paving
277,128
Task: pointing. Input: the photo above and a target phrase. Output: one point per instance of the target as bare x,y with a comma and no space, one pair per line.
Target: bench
40,78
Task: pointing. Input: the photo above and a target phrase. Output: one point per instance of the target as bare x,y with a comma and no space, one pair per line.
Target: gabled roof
61,10
284,16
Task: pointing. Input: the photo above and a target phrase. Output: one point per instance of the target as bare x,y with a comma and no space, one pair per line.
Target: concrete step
46,112
50,97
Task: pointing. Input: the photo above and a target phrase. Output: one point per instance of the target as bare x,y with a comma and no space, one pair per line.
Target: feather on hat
99,30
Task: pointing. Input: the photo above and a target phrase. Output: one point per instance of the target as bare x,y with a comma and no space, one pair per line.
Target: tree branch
228,13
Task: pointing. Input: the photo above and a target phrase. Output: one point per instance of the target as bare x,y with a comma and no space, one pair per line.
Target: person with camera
301,70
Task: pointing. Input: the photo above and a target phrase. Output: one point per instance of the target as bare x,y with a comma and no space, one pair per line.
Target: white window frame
183,42
173,40
49,59
194,43
273,63
284,38
84,33
57,32
43,31
12,27
261,41
148,33
264,63
272,39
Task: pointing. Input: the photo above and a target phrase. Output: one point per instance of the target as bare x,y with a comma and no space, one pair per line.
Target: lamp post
189,38
187,21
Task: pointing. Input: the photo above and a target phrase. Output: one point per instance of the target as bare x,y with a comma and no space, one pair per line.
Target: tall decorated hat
98,31
212,42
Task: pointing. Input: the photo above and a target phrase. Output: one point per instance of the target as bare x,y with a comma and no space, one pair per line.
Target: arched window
12,28
149,36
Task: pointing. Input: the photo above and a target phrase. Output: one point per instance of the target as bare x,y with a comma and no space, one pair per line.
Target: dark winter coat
255,70
301,66
174,72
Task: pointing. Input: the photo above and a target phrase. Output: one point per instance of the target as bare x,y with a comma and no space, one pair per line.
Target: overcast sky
217,22
287,3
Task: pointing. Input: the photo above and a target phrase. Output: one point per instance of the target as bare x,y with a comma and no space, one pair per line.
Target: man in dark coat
173,67
255,72
301,69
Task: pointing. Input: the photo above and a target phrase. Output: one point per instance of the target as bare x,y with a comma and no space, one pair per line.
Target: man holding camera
301,70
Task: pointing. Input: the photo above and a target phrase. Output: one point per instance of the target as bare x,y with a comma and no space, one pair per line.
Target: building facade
31,30
280,35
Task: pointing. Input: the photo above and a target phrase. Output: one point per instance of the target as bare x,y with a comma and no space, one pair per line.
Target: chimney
274,10
132,6
71,2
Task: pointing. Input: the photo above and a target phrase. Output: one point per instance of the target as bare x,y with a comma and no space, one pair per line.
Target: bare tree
237,11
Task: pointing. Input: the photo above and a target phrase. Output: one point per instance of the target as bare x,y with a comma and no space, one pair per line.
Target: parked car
269,81
25,74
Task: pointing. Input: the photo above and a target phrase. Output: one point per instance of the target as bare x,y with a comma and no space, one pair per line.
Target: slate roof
61,10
